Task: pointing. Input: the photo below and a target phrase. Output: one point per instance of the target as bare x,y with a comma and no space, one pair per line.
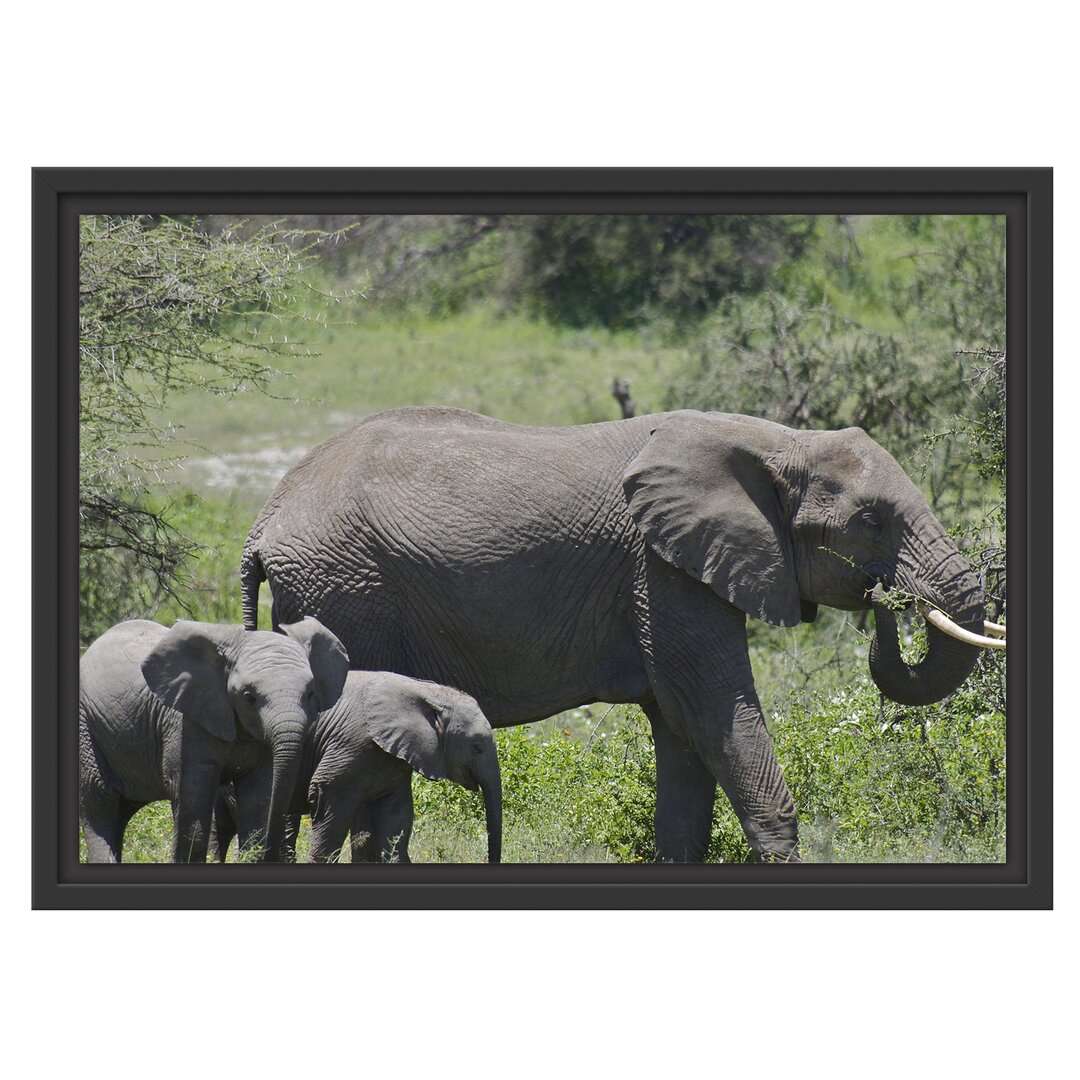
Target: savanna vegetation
214,352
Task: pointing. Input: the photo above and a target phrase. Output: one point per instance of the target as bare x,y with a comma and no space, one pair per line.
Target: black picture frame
1023,195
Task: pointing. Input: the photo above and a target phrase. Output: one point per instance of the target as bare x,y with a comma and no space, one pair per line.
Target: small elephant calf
172,713
359,760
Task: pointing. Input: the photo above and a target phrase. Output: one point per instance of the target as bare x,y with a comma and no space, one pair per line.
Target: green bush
165,309
562,795
626,270
206,588
875,781
872,782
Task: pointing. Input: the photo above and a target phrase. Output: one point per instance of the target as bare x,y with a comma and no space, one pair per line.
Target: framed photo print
542,538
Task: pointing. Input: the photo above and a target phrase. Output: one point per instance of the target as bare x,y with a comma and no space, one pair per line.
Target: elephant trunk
287,747
491,787
954,590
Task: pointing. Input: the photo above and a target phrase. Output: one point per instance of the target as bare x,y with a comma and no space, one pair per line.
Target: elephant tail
252,575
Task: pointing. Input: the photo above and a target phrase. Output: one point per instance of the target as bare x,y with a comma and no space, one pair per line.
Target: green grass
509,367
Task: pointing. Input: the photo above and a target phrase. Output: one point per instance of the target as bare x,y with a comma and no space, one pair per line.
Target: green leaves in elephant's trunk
948,661
491,786
287,746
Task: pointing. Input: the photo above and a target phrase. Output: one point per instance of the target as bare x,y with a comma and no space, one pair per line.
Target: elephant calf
358,764
172,713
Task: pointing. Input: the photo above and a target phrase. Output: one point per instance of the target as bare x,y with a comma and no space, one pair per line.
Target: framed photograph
542,538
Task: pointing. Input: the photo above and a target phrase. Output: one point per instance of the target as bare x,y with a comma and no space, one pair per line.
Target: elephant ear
707,497
408,727
326,655
188,670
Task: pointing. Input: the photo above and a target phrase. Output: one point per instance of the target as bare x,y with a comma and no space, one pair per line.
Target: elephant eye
477,748
870,520
249,696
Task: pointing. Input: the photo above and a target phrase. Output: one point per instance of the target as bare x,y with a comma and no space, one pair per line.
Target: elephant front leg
685,793
193,810
732,746
360,835
741,755
252,804
290,838
699,669
392,822
222,828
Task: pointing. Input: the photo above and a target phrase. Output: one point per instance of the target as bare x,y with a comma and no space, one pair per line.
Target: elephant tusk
994,629
943,623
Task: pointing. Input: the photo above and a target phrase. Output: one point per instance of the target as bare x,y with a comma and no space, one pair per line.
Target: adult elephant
171,713
539,569
359,758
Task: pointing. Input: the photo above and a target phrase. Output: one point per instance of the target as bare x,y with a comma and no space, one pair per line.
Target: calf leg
392,822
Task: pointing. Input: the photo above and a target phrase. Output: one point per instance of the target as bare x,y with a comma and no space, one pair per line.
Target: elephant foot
790,856
775,840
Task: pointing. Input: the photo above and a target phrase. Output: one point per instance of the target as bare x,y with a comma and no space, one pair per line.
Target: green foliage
959,283
624,270
415,265
162,308
809,367
204,587
985,430
148,837
882,343
210,579
560,793
874,781
578,270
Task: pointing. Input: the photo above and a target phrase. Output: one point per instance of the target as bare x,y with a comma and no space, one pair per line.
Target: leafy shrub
563,792
163,309
624,270
876,781
872,781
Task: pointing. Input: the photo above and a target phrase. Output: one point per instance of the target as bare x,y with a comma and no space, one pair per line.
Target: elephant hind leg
685,792
104,819
331,814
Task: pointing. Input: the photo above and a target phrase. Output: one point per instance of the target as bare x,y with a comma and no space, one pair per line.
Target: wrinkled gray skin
356,775
170,714
539,569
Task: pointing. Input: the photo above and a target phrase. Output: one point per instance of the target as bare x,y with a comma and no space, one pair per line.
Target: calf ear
327,656
707,496
188,670
408,727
